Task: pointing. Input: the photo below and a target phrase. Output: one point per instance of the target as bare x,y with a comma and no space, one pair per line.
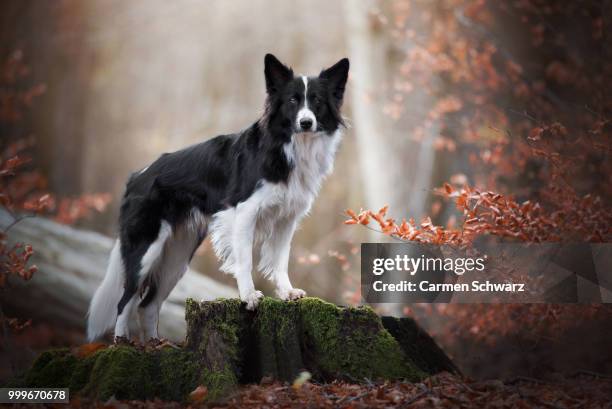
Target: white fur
221,230
165,262
122,326
288,148
171,268
305,112
197,222
270,216
153,253
232,235
149,261
103,308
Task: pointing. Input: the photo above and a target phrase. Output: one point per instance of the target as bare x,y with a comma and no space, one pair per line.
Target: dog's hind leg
149,307
137,269
169,270
148,315
122,327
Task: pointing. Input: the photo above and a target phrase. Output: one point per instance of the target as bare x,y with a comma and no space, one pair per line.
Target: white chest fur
312,157
276,204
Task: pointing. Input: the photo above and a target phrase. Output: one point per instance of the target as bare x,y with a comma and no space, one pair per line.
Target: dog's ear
336,76
277,74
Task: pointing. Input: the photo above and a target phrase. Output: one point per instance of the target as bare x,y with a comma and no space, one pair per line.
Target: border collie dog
246,189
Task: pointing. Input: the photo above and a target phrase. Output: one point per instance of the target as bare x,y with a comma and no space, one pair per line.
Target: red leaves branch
425,232
583,219
23,190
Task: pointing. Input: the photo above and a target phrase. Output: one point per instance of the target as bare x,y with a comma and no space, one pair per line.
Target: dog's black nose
306,124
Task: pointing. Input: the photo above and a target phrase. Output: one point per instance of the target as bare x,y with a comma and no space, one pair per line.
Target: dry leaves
583,390
85,350
440,391
199,394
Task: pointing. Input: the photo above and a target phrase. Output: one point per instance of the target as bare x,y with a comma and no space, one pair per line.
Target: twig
543,403
381,232
416,398
6,334
527,379
590,373
352,398
17,220
524,114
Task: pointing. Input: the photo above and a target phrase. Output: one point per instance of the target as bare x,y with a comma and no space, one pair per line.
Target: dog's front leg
276,252
242,251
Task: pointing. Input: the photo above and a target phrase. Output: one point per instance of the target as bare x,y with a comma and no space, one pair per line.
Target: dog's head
304,103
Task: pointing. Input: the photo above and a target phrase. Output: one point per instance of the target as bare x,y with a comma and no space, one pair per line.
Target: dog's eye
316,100
293,100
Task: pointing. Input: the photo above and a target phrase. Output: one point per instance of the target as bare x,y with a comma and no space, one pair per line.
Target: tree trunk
227,345
281,339
72,263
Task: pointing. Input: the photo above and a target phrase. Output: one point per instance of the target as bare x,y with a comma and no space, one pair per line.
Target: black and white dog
246,189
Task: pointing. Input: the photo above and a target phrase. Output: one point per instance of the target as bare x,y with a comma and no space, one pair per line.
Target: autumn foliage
23,188
534,137
581,390
579,219
523,115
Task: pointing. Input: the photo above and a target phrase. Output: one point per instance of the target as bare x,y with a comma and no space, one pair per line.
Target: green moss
122,372
214,334
52,369
219,338
277,334
192,310
177,374
351,342
221,317
82,371
290,336
227,344
220,382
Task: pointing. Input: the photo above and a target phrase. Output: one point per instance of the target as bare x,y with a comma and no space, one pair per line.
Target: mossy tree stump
122,371
227,345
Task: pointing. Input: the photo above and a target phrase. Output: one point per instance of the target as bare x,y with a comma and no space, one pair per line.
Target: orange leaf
198,394
364,218
383,210
86,350
351,214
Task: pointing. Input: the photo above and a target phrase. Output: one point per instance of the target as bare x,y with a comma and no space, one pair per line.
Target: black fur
224,170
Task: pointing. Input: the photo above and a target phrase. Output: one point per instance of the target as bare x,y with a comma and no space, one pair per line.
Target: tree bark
227,345
72,263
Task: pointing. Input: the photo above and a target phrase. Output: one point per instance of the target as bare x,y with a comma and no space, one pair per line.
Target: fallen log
72,263
227,345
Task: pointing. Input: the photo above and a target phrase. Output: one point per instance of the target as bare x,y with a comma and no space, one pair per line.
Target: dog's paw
291,294
123,340
252,299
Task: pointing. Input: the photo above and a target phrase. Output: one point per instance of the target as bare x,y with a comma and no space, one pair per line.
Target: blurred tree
523,129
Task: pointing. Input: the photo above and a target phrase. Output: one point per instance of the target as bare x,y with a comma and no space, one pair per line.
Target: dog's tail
102,313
